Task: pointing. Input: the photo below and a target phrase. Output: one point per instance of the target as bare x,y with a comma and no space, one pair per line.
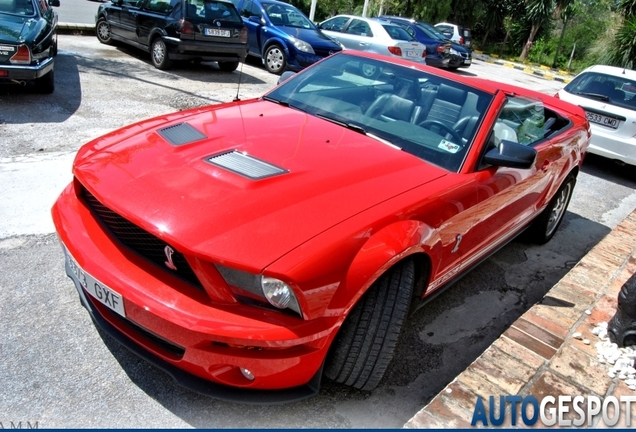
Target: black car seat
396,105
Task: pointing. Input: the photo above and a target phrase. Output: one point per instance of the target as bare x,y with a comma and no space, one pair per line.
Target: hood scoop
245,165
181,134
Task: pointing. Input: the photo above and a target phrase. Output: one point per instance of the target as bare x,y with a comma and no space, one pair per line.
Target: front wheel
544,227
228,66
364,346
275,60
102,30
159,54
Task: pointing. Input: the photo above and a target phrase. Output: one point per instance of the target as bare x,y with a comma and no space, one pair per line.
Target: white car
380,37
456,33
608,96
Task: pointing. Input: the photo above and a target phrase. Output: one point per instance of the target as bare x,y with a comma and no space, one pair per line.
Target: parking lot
59,371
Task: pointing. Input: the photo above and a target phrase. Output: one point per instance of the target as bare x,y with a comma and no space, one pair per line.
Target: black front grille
142,242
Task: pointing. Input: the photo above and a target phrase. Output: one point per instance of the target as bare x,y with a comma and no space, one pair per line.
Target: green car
28,43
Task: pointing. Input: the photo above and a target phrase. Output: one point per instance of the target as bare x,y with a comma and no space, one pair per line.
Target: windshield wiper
276,101
595,96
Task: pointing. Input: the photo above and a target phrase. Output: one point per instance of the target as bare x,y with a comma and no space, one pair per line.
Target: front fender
384,249
275,40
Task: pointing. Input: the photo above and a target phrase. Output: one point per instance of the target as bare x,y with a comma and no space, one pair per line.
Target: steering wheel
450,131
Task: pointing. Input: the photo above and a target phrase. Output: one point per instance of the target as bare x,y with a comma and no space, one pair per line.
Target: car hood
313,37
330,174
15,29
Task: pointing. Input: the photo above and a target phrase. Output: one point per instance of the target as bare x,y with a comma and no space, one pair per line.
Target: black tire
547,223
159,54
46,83
102,31
365,344
275,59
228,66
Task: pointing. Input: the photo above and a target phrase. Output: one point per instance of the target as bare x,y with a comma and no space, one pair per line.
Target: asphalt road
58,370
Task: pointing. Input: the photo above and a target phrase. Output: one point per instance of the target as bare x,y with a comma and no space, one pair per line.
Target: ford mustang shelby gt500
250,248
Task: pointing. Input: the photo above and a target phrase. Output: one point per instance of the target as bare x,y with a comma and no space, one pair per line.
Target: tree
566,15
538,12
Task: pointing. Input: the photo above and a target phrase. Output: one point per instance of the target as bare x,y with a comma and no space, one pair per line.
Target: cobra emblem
169,251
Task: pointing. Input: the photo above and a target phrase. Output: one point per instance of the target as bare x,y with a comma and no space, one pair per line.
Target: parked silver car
380,37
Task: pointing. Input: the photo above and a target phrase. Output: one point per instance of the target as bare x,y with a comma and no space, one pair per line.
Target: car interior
18,7
431,117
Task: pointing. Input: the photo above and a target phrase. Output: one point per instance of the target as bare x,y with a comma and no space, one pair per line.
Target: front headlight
454,52
303,46
271,290
279,294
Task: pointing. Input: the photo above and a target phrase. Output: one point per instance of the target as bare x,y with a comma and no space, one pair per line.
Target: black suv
205,30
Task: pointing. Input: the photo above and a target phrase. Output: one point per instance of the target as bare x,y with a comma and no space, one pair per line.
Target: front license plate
602,120
217,32
100,292
467,61
411,53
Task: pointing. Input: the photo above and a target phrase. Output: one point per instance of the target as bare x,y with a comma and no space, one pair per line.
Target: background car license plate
217,32
105,295
411,53
601,119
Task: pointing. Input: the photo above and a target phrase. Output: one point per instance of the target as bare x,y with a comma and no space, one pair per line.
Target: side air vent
181,134
245,165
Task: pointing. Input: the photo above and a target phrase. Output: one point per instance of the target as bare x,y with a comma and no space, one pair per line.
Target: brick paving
538,354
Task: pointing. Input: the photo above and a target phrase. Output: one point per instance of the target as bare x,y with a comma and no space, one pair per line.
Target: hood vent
245,165
181,134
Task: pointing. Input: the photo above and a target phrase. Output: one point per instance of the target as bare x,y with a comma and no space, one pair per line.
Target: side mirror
54,3
285,76
255,19
512,155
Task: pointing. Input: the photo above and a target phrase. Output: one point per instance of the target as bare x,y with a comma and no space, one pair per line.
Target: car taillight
22,56
243,35
461,40
186,27
395,50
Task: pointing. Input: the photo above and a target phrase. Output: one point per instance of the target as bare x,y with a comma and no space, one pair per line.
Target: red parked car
252,247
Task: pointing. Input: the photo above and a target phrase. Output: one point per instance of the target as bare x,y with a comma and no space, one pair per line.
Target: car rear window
397,32
213,9
17,7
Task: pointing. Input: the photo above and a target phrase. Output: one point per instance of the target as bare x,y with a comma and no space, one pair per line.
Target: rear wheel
102,30
46,83
159,54
544,227
228,66
275,60
365,344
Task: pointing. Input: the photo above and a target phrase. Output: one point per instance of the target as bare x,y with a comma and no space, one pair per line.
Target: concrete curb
550,349
76,29
540,71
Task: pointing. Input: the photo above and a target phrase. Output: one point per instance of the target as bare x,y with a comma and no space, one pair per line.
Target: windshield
617,90
430,117
287,15
17,7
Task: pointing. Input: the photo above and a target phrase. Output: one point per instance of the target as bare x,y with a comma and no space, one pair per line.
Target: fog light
247,373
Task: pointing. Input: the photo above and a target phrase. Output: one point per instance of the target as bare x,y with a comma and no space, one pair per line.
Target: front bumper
27,72
200,343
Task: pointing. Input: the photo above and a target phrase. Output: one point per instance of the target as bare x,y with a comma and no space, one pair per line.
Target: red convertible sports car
251,248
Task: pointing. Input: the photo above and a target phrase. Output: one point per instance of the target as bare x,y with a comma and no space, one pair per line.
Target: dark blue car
282,36
457,56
